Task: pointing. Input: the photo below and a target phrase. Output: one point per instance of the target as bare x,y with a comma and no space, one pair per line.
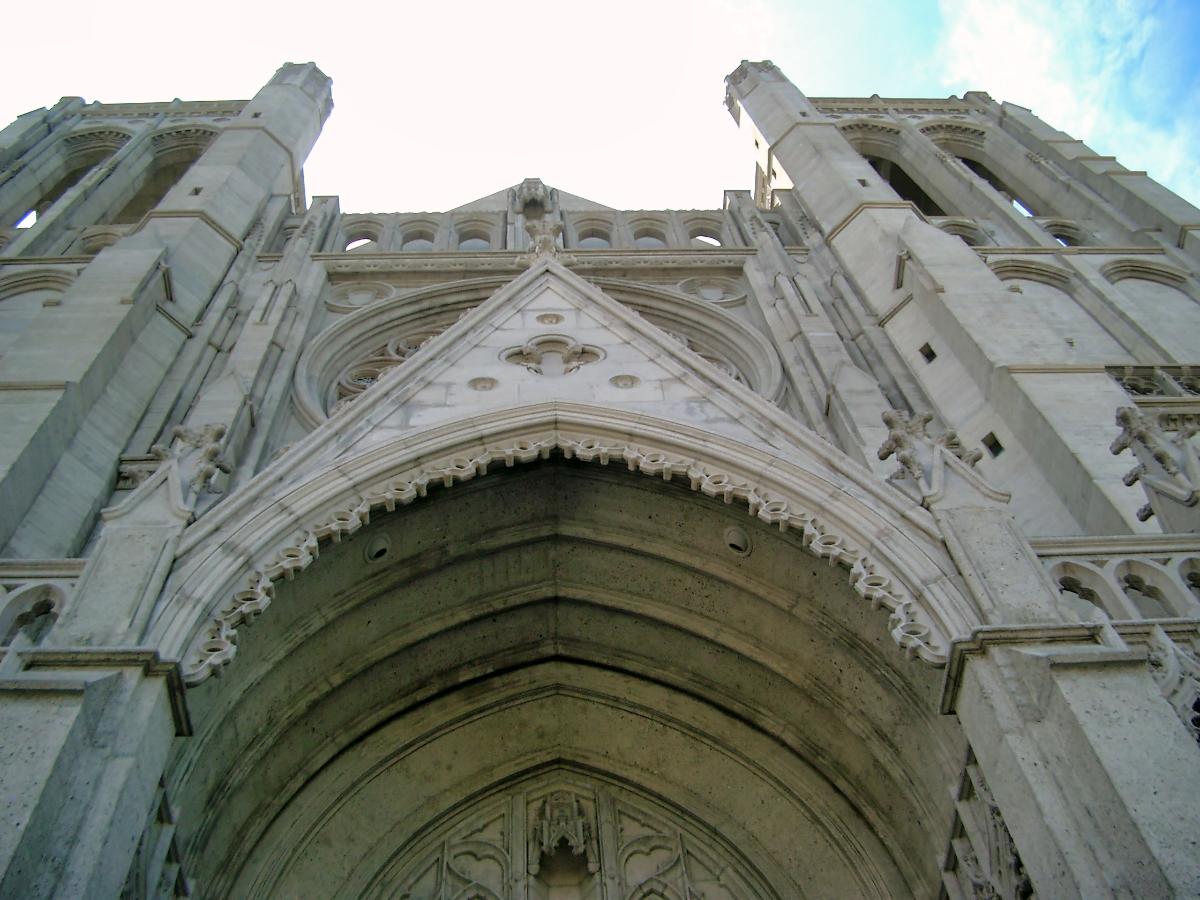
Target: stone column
1094,772
84,735
840,400
79,386
1089,766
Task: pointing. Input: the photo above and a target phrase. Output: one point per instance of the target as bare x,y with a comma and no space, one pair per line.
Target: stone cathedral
841,540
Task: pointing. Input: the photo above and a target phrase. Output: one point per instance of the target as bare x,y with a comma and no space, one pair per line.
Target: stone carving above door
567,836
552,355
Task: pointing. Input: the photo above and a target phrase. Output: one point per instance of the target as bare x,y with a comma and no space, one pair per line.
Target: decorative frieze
1127,578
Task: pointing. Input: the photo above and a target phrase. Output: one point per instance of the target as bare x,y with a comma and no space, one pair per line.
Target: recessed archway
560,617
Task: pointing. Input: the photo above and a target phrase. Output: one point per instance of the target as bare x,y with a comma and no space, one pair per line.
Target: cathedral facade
842,540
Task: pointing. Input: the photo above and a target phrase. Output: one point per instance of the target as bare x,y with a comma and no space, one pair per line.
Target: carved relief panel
568,837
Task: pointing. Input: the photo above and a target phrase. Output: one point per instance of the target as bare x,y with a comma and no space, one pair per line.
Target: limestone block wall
648,499
1004,329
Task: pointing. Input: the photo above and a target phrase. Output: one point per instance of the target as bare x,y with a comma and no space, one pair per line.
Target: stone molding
921,611
875,204
148,661
392,314
455,262
1089,644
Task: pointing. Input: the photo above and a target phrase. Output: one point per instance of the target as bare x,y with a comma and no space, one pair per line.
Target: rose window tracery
709,355
362,374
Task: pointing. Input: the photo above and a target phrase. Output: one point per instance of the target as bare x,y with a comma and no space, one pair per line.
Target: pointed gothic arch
558,613
230,560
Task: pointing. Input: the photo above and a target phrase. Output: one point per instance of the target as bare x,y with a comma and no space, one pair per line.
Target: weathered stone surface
541,549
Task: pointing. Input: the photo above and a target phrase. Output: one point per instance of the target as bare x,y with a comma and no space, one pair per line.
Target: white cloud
1092,69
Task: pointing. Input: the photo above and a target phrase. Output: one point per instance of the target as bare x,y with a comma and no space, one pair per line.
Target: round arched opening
417,241
594,239
473,241
649,239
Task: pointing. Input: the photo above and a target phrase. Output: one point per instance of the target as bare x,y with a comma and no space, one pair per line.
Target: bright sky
437,103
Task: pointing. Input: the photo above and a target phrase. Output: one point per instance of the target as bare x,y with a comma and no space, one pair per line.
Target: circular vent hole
377,548
737,540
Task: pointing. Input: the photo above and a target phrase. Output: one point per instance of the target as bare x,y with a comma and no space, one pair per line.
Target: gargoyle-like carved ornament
215,645
199,454
1168,467
544,233
934,470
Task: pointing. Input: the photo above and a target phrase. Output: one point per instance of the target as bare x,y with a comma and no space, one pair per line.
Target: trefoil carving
552,355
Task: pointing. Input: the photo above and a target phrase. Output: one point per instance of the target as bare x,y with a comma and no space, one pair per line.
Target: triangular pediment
549,336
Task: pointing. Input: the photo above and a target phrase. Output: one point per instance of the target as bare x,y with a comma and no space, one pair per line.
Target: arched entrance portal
555,654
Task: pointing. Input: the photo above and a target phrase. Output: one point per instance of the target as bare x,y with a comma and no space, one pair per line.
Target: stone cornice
1069,251
872,204
518,261
189,214
1113,545
1092,644
44,659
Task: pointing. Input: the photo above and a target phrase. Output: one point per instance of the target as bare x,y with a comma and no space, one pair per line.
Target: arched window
648,237
82,152
417,240
174,153
362,235
904,185
704,237
473,241
594,238
1021,205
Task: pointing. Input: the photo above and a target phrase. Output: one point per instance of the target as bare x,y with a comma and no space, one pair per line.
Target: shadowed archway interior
520,665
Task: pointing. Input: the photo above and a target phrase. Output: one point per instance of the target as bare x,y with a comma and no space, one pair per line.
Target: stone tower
842,541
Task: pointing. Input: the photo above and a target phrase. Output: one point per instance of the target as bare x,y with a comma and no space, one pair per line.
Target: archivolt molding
1120,269
190,138
81,144
953,137
874,138
56,280
889,563
1031,270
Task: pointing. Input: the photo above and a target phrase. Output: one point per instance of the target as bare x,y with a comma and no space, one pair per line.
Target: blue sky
439,103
